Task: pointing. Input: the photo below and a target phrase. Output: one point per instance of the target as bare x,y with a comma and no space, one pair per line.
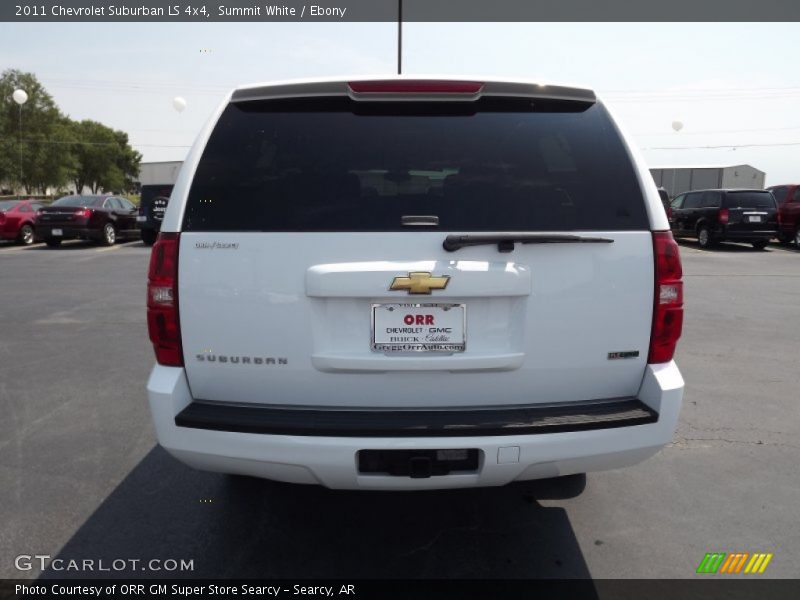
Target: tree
50,149
53,160
104,158
25,156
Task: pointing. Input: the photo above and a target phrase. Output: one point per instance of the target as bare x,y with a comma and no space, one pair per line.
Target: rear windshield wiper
505,241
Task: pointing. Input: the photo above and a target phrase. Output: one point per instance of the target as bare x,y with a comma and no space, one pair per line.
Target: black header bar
709,588
151,11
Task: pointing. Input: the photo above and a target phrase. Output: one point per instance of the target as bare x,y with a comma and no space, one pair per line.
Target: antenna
399,37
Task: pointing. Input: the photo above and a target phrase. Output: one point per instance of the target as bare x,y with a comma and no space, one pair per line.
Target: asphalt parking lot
82,477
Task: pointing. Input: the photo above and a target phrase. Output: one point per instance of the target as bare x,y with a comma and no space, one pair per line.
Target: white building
679,179
159,173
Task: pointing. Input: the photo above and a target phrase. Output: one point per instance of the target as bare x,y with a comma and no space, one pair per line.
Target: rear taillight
83,213
668,302
778,216
669,213
163,322
2,217
410,86
724,215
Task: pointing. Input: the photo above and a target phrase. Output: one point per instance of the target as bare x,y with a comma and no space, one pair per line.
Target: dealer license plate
754,219
56,232
398,328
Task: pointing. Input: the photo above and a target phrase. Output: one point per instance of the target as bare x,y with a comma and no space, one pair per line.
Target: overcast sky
729,84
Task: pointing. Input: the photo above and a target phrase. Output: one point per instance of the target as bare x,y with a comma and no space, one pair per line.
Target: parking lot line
115,246
17,249
20,249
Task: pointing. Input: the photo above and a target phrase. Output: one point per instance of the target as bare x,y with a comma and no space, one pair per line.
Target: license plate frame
446,343
754,219
57,232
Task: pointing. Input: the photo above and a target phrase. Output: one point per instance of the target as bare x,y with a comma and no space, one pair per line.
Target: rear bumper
68,232
460,422
331,460
147,223
747,235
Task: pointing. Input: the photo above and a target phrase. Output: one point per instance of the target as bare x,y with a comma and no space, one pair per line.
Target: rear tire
26,235
149,236
53,242
704,237
760,244
797,237
784,238
109,235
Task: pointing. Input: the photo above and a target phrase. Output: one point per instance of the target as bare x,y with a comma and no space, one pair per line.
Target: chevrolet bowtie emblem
419,283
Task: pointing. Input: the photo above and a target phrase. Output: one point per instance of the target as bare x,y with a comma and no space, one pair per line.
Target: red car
17,219
788,199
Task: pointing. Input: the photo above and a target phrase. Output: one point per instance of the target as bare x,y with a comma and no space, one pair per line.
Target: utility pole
20,147
399,37
20,97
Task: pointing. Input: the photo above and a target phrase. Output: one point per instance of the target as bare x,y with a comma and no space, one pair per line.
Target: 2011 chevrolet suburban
414,284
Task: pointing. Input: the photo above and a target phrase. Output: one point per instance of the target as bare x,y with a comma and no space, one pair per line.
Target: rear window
779,193
78,201
693,200
711,200
333,164
749,200
150,192
8,204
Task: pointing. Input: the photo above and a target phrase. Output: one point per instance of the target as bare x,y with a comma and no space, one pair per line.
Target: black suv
152,205
714,216
662,193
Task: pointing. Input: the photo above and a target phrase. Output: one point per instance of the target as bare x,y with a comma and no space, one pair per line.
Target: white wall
742,176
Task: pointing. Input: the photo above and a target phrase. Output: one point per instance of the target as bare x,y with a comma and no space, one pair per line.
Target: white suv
414,284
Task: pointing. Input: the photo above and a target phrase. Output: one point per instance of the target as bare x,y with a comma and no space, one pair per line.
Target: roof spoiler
413,89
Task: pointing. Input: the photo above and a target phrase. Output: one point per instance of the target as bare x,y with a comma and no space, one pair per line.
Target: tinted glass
126,204
333,164
779,193
8,204
796,195
749,200
692,201
710,200
78,201
149,192
678,201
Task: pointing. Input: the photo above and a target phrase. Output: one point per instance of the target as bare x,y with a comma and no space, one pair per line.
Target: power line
628,94
227,87
722,146
715,90
80,143
655,100
721,131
